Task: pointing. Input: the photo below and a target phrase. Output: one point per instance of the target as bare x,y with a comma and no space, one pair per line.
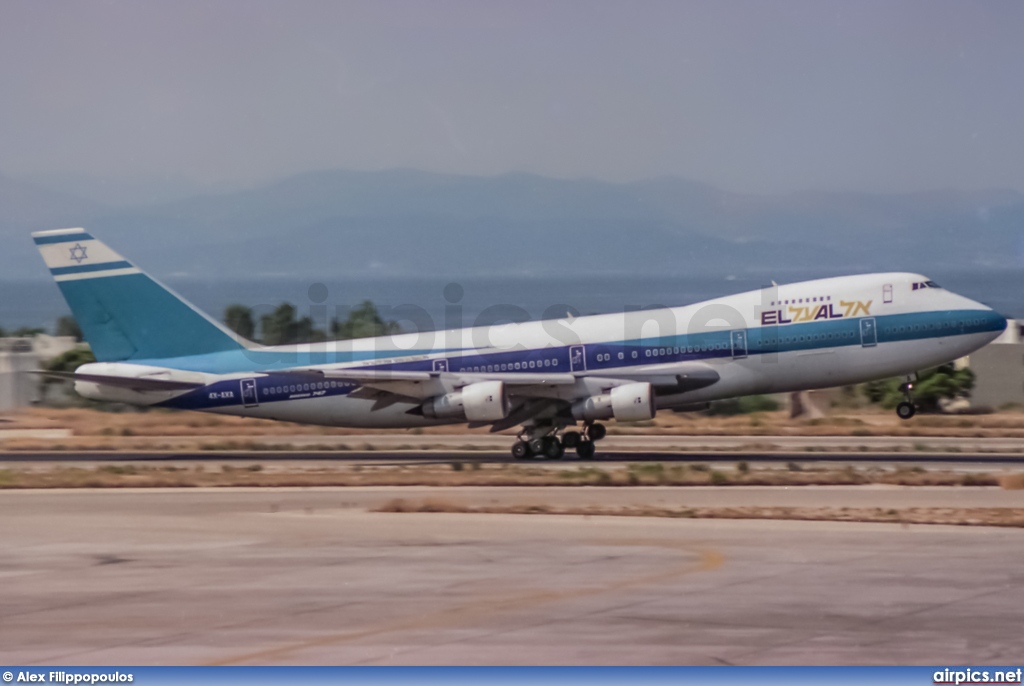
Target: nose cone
993,322
987,324
986,320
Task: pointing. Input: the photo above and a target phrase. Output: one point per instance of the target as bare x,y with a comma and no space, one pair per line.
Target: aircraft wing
673,378
376,376
387,386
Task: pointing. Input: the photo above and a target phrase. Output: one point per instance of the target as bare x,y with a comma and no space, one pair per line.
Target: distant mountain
404,222
135,191
27,207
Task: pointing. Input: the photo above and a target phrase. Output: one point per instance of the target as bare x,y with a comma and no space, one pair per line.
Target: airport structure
21,356
999,370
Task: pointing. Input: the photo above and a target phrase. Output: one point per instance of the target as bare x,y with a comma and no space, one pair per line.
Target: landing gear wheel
585,450
553,448
597,432
537,446
571,439
905,410
520,450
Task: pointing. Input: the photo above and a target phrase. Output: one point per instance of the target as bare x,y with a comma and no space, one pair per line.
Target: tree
744,405
364,321
27,332
239,319
931,388
71,360
68,362
68,326
281,327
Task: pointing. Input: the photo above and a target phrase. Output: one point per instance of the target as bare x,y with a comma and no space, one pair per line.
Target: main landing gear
907,409
545,444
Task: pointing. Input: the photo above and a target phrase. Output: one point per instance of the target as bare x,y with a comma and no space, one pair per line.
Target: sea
430,303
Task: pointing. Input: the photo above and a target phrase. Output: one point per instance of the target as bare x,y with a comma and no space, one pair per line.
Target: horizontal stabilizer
131,383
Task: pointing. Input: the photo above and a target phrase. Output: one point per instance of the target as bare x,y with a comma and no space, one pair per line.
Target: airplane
556,379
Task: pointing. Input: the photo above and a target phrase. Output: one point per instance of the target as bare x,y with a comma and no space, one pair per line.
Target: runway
272,576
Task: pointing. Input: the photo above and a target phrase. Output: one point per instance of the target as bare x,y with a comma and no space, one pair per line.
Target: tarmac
294,576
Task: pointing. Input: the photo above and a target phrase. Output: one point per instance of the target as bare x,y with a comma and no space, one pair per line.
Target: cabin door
249,393
868,332
577,358
739,344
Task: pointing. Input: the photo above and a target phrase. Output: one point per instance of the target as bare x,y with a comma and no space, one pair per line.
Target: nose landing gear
907,409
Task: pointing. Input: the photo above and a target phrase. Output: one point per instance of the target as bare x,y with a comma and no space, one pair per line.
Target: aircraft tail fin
123,312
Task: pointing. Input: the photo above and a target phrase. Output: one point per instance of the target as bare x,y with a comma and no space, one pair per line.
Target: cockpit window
932,284
925,284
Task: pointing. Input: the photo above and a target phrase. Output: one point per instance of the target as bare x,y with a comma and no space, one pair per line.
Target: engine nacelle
479,402
631,403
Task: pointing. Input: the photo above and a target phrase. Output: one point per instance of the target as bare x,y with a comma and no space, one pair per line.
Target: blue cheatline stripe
82,268
63,238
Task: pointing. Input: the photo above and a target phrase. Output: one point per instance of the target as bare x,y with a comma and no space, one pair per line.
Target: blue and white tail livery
124,313
154,348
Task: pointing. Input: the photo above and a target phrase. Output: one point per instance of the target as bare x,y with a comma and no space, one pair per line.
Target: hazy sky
752,96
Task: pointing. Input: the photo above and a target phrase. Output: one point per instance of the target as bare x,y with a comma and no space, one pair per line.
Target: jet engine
484,401
631,402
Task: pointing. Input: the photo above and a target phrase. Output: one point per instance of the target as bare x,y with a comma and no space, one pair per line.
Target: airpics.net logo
968,677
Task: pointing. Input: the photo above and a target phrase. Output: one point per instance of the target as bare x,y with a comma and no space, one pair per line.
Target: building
999,370
19,357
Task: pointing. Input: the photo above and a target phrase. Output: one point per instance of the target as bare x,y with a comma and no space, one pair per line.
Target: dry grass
973,516
121,427
458,473
1012,482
